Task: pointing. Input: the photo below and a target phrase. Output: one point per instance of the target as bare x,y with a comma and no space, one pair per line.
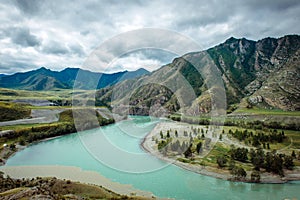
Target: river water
114,151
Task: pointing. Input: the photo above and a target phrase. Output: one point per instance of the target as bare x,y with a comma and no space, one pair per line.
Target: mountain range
46,79
264,74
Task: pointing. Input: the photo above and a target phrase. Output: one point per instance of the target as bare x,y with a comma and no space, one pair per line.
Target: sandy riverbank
74,174
149,146
68,173
65,172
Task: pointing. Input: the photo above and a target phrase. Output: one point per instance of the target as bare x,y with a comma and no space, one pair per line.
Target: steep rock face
266,72
271,55
249,66
246,64
282,87
235,60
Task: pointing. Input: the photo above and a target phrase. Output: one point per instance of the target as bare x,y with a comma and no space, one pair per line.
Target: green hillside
262,74
13,111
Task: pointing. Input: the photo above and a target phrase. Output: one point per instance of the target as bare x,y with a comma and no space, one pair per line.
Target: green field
63,94
259,111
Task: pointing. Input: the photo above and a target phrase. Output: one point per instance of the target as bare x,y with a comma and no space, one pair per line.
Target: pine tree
177,147
293,154
168,134
202,136
288,162
188,152
238,173
199,147
221,160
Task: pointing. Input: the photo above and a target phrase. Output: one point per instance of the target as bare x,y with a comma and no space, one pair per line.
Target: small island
236,154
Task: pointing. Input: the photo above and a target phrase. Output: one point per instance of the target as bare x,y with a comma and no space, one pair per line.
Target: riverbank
73,174
27,135
6,152
63,172
149,145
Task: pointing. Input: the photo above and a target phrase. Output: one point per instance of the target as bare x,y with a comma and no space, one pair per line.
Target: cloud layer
58,34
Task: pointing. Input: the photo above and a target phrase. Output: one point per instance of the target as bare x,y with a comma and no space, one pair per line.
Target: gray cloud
18,66
29,7
64,33
60,48
153,54
212,12
77,49
275,5
22,36
54,47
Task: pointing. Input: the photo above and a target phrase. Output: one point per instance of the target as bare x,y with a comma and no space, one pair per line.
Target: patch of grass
83,190
297,162
280,120
59,189
63,94
91,117
267,112
12,191
24,126
277,146
13,111
295,136
218,150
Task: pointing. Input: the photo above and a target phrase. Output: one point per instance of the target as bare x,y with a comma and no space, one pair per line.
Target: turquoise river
114,151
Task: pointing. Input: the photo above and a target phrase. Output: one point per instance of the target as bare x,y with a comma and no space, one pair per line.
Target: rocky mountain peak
264,73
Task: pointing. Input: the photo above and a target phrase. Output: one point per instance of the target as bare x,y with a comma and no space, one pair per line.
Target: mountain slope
267,69
282,88
45,79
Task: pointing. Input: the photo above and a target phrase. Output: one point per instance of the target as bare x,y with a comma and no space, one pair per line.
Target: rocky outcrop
282,88
254,100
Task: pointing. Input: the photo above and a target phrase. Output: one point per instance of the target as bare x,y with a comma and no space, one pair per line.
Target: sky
57,34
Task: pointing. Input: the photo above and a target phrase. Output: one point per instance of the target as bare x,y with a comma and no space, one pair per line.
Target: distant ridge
46,79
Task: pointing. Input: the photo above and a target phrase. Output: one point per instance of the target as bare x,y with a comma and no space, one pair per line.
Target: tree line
270,161
259,138
255,124
65,126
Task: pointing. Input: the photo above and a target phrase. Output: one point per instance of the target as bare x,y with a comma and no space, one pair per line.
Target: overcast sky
59,34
